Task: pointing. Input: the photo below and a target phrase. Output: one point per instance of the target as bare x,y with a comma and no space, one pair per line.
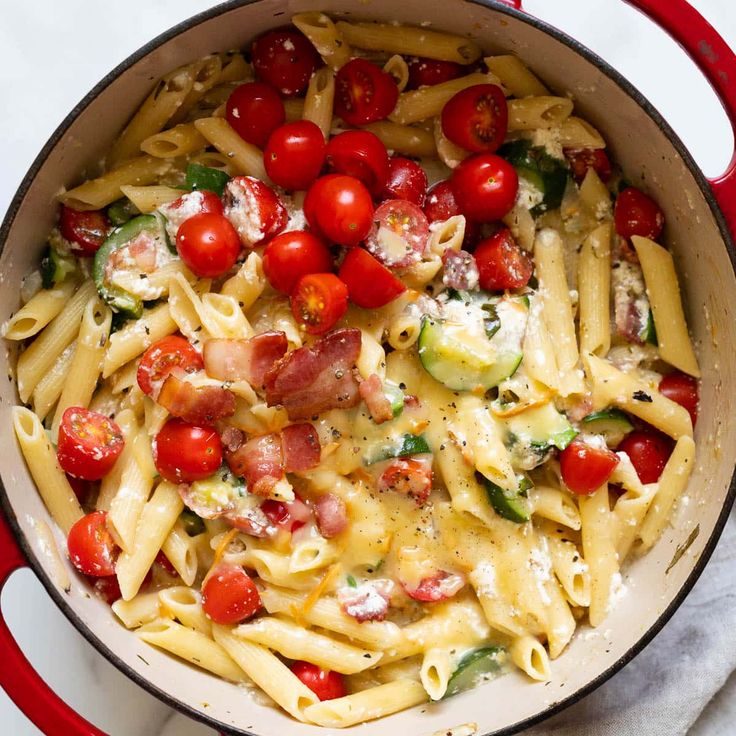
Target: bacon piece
232,438
195,404
301,447
244,360
366,602
290,515
314,379
460,270
371,391
260,462
438,587
332,515
630,303
252,521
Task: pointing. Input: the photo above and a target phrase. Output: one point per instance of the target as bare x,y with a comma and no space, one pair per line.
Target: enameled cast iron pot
699,215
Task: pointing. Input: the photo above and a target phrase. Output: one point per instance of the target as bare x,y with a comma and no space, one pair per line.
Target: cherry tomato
107,588
502,264
635,213
582,159
254,110
229,596
208,244
294,154
81,488
318,301
361,154
364,93
586,468
325,684
440,204
92,549
163,561
165,355
285,59
184,452
340,208
485,187
476,118
408,476
89,443
370,284
648,451
292,515
399,234
439,587
428,72
294,254
406,180
86,231
683,390
254,209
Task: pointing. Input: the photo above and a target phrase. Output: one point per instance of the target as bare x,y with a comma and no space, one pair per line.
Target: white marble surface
55,51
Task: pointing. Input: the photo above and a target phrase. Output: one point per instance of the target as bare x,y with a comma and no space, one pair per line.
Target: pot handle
20,681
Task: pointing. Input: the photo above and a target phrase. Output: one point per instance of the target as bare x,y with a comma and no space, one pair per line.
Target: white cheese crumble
191,204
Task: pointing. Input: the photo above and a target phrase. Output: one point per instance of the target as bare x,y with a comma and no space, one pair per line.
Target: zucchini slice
475,667
613,424
408,444
512,505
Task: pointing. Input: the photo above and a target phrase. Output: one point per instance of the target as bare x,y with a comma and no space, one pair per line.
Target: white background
55,51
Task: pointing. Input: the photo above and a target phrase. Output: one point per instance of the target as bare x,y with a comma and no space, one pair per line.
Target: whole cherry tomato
294,254
648,451
399,234
476,118
92,549
428,72
406,180
586,468
86,231
582,159
294,154
485,187
254,110
440,204
229,595
184,452
361,154
325,684
285,59
502,264
364,93
89,443
318,301
208,244
635,213
683,390
165,355
370,284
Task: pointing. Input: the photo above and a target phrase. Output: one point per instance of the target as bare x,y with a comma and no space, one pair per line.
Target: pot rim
605,68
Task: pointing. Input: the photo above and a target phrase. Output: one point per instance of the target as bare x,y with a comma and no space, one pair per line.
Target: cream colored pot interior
692,233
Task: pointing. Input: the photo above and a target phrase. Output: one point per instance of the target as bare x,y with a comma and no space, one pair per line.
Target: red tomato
91,546
86,231
254,110
209,202
183,452
81,488
163,561
361,154
89,443
208,244
294,254
439,587
582,159
292,515
229,596
107,588
325,684
683,390
285,59
254,209
318,301
165,355
476,118
294,154
485,187
406,180
428,72
408,476
364,93
440,204
340,208
502,264
648,451
635,213
399,234
370,284
586,468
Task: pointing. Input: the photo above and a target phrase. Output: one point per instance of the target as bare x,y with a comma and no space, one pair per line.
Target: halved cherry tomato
440,204
229,595
586,468
582,159
208,244
340,208
165,355
325,684
399,233
254,110
108,588
285,59
92,549
428,72
361,154
648,451
318,301
408,476
364,93
439,587
89,443
635,213
184,452
406,180
86,231
291,515
370,284
294,154
254,209
476,118
502,264
294,254
683,390
485,187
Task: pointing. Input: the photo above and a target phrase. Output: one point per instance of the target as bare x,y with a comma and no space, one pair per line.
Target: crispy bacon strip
260,462
196,404
332,515
371,391
301,447
244,360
